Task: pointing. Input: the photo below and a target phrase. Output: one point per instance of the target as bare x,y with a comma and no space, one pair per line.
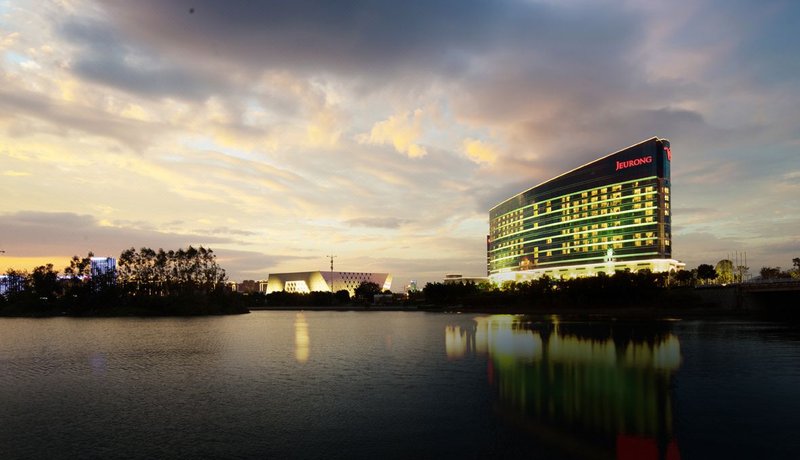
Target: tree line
144,281
623,288
724,272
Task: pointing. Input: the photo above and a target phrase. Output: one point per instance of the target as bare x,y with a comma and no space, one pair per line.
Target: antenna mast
332,287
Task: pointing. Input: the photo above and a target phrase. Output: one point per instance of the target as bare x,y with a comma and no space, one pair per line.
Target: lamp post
332,285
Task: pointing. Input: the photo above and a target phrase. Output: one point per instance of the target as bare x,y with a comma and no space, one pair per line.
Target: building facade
323,281
103,265
610,214
461,279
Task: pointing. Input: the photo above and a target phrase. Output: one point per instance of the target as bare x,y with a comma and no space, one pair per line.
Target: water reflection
301,340
595,390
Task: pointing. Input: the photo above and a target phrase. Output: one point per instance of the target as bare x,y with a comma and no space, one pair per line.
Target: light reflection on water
576,388
301,340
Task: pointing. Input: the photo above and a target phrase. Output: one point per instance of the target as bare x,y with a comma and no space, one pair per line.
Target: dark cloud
107,58
36,234
759,43
369,39
312,35
64,117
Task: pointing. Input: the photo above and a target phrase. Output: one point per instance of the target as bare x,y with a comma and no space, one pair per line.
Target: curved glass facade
610,214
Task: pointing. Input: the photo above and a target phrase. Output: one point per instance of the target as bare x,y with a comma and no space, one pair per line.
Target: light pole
332,285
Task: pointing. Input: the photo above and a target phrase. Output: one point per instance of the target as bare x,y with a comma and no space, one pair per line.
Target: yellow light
301,339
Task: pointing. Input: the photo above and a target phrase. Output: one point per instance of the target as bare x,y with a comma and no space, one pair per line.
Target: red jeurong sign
635,162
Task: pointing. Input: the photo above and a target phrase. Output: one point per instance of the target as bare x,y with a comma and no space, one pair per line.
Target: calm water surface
396,385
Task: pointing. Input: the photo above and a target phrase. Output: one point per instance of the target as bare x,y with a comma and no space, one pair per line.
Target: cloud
240,265
348,37
11,173
68,116
401,131
377,222
105,57
32,233
478,151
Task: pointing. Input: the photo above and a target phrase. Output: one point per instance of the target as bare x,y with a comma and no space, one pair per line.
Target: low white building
323,281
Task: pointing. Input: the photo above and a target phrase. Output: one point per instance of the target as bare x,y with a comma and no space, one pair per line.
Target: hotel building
607,215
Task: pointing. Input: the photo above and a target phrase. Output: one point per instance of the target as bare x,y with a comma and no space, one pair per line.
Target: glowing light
455,342
301,339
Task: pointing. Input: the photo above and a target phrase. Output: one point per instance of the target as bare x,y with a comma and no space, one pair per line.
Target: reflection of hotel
319,281
589,390
608,215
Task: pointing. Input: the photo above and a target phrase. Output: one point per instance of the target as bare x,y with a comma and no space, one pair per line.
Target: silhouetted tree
771,273
366,291
342,296
79,267
684,277
706,273
193,270
44,281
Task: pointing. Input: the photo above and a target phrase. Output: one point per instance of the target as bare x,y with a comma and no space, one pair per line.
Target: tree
796,270
342,296
706,273
44,281
770,273
15,282
79,268
193,270
741,273
724,271
684,277
367,290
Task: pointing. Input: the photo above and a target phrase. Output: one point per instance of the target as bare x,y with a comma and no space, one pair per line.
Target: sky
382,132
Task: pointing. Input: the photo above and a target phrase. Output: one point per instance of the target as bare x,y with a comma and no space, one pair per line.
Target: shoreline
656,313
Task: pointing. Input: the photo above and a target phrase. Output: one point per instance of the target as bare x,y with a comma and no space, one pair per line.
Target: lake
397,385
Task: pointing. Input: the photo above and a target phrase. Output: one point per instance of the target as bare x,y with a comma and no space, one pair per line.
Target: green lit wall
620,202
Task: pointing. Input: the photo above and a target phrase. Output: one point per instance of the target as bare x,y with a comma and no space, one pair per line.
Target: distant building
103,265
247,286
611,214
461,279
324,281
11,283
